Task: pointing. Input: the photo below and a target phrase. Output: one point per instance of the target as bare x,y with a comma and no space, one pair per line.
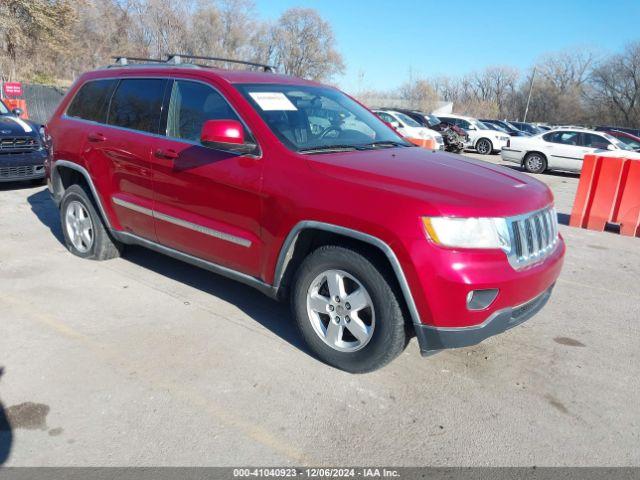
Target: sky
384,43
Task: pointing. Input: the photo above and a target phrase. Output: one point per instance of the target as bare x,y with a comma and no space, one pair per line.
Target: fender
286,253
57,189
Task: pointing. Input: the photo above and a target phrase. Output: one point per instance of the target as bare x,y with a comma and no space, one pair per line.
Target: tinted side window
137,104
566,138
191,105
594,141
91,101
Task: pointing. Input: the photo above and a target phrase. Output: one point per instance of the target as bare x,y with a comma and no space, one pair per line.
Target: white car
408,127
563,149
482,138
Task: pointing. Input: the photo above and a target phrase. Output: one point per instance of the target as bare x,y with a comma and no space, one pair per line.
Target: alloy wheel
79,226
534,163
483,147
340,310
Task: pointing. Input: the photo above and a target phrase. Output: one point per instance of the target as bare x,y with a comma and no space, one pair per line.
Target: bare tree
304,45
616,84
26,25
420,94
567,70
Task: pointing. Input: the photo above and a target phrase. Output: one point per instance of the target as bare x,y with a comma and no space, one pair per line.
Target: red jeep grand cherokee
296,189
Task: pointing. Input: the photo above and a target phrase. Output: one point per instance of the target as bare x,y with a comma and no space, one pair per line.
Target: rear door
207,201
119,153
564,150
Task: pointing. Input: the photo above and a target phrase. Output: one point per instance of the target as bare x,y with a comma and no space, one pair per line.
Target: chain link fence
42,100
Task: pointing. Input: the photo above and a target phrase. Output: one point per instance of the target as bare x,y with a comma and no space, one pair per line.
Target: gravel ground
144,360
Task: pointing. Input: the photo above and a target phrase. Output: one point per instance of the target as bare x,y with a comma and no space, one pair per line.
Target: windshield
407,120
3,108
308,118
499,127
482,126
432,120
630,142
618,142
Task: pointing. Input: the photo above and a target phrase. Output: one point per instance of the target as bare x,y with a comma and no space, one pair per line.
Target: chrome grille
18,145
25,171
533,237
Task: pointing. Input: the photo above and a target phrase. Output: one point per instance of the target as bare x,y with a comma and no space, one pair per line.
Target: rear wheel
84,232
484,146
346,311
535,162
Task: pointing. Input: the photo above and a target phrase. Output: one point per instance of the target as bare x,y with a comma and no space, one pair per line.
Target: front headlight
490,233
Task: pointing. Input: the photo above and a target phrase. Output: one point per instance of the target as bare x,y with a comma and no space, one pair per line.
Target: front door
207,202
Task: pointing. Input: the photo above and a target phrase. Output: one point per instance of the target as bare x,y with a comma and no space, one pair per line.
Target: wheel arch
306,236
64,174
483,138
529,152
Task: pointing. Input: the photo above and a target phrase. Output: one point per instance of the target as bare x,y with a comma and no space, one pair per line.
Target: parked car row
410,128
453,138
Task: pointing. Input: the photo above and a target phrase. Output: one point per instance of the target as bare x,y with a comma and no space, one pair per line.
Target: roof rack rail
122,60
177,58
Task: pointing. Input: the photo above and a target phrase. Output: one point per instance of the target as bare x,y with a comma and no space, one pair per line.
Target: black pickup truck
22,148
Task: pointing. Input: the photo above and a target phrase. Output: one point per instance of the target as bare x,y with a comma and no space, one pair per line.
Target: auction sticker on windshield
269,101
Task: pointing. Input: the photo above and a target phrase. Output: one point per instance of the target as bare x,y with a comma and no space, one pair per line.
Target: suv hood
11,126
448,184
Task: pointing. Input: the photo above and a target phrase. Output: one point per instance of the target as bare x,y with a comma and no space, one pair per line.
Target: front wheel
535,163
347,312
484,146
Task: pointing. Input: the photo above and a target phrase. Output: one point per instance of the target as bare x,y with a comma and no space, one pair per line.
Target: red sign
12,89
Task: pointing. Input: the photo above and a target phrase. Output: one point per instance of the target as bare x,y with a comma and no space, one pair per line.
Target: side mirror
17,111
225,135
471,127
611,147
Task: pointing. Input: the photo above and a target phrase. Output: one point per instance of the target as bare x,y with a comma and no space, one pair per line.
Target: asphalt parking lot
144,360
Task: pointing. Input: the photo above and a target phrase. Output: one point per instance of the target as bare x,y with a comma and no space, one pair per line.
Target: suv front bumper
15,167
431,339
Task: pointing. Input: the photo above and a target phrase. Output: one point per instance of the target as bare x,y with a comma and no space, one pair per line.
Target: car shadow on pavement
563,218
43,207
271,314
6,434
6,186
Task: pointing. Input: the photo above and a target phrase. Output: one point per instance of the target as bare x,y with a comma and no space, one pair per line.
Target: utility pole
526,110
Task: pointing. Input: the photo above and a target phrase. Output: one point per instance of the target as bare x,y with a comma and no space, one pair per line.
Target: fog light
481,299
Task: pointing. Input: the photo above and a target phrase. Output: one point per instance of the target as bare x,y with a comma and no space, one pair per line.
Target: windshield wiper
330,149
386,144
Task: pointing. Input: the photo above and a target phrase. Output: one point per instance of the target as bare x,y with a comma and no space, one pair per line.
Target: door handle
96,137
166,154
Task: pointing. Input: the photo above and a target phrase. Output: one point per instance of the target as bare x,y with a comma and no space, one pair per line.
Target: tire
535,162
484,146
365,339
84,232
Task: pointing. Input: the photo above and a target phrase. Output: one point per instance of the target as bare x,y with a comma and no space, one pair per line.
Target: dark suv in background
22,148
